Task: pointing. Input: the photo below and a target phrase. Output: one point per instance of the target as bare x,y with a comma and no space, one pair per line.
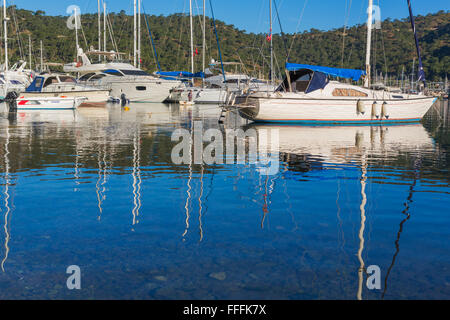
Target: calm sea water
97,188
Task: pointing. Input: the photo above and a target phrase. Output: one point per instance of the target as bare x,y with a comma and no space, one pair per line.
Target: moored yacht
122,78
59,85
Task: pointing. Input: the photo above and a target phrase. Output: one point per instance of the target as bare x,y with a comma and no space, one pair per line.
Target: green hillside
172,40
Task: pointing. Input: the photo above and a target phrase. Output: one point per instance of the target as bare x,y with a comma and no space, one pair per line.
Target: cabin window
86,76
98,76
397,97
301,84
113,72
67,79
50,81
341,92
141,88
134,72
236,81
38,82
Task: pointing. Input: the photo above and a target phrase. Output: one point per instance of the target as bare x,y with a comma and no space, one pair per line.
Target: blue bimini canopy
180,74
336,72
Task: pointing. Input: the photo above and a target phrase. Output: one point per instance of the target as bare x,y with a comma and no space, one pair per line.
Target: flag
269,36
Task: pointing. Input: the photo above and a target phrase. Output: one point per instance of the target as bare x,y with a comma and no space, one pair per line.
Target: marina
102,170
178,157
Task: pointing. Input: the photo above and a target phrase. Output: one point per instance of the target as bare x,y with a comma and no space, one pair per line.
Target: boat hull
94,96
48,103
199,95
142,91
333,111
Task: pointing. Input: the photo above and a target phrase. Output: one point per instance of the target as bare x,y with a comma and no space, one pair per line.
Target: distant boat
216,89
50,103
308,96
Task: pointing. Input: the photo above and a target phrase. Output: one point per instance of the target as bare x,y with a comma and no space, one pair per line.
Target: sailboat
14,79
307,95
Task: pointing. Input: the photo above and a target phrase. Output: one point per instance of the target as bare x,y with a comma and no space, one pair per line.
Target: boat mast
204,41
139,34
403,76
76,30
29,49
135,49
104,26
369,43
192,39
99,30
271,44
5,20
42,59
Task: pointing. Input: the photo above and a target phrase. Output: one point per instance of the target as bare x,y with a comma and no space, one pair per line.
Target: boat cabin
52,82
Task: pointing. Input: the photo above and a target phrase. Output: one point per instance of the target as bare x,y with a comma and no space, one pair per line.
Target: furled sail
413,25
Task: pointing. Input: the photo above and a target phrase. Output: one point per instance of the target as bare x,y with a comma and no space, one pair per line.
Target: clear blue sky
253,15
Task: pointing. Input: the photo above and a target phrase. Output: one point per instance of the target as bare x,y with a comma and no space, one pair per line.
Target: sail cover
336,72
413,26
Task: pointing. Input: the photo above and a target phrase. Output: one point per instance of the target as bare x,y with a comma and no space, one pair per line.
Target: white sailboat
308,96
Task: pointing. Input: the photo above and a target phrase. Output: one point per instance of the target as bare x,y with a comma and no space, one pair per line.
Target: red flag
269,37
196,52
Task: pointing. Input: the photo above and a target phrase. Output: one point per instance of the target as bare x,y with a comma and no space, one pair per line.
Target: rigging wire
348,9
155,54
296,29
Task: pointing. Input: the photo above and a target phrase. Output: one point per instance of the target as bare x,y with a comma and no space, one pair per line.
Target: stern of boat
248,107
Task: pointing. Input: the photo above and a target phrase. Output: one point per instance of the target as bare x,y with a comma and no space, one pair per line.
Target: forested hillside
393,46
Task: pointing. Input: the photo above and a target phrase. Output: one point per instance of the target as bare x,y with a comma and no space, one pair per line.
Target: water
97,188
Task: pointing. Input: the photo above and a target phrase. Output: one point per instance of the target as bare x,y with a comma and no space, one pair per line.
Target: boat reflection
6,198
304,148
344,144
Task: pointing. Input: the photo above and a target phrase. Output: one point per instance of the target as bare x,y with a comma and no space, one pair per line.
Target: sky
253,15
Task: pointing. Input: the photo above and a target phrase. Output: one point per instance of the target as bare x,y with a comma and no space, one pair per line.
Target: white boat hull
310,111
93,96
155,91
46,103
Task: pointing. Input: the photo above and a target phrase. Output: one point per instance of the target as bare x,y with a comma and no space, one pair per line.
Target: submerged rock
218,275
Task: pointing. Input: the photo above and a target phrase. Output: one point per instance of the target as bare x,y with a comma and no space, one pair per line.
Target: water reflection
7,208
307,232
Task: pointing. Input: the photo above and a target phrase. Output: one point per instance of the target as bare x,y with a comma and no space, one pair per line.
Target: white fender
360,108
375,110
384,110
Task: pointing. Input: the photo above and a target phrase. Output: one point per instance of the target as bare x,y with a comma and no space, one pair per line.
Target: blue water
97,188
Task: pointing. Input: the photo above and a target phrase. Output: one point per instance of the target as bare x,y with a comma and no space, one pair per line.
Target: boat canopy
336,72
304,80
180,74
